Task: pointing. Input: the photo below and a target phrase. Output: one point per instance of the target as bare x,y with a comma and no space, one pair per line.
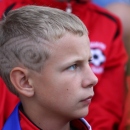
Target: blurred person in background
121,8
108,63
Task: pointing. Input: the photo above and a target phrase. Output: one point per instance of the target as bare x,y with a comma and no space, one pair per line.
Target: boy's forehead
71,45
69,39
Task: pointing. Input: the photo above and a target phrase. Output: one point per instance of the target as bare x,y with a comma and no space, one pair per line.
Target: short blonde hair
26,31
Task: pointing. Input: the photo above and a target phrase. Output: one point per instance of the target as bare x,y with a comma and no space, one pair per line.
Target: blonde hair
25,34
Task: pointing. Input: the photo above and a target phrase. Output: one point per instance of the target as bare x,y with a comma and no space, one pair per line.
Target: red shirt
19,121
26,124
8,102
105,34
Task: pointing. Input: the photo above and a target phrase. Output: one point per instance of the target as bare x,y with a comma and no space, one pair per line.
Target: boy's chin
81,114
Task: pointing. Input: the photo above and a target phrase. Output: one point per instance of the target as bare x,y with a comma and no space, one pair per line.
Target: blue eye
72,67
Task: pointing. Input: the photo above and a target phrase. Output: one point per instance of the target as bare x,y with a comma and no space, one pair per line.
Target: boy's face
65,86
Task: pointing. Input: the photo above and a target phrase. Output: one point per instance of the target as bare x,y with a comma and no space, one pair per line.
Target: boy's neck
46,123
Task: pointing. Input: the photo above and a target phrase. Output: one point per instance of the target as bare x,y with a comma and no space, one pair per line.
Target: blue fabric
12,122
104,3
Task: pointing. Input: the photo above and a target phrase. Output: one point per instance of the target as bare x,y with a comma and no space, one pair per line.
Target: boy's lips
87,100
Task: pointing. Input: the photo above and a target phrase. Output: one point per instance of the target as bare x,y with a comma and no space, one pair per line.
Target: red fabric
28,125
8,102
125,124
11,4
105,34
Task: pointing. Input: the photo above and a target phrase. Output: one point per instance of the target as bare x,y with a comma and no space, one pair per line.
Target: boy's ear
20,80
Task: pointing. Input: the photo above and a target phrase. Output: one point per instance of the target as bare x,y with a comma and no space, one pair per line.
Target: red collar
26,124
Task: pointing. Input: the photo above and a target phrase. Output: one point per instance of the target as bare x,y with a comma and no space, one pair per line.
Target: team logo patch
98,57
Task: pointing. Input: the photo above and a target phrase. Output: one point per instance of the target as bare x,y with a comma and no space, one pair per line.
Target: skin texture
60,92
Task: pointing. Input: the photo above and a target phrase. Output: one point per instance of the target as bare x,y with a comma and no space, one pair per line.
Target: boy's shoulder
6,105
22,122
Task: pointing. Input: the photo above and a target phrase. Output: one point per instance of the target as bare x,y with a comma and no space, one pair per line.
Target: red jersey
109,59
18,121
78,124
8,102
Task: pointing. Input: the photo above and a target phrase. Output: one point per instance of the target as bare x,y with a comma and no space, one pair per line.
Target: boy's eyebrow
76,59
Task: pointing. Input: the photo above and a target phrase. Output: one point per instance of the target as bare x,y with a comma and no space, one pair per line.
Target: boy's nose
89,79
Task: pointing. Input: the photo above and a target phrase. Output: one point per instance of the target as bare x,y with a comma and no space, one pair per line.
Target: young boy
108,62
44,60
